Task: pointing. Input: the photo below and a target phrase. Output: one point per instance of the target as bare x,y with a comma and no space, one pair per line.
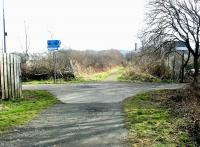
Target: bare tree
175,20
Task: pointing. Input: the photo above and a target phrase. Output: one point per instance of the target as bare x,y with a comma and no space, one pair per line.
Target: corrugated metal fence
10,76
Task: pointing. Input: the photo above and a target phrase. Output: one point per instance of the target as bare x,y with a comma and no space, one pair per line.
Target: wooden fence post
10,76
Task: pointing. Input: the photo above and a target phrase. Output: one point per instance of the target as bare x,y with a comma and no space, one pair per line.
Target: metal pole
54,58
4,31
173,70
182,69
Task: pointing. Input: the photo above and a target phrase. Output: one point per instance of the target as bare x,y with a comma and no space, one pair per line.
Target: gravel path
90,115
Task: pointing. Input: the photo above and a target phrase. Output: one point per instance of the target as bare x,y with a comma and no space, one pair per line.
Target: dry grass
186,103
164,118
135,74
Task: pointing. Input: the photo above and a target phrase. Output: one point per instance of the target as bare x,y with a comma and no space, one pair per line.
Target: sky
79,24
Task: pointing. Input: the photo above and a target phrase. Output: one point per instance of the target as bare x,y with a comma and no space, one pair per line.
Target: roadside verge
152,121
18,111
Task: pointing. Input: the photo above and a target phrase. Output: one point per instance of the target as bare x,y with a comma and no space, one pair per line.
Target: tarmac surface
89,115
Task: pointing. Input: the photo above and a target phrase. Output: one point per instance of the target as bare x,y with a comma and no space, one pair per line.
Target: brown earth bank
183,103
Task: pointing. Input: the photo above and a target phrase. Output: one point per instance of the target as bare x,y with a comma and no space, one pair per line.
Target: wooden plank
10,68
20,80
0,80
17,76
12,76
15,82
13,70
6,76
2,77
9,76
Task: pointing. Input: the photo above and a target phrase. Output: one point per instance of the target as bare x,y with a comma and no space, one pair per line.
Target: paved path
90,115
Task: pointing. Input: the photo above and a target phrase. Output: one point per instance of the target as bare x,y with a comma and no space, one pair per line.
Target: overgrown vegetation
169,23
19,111
162,118
137,77
58,81
152,66
84,78
69,64
186,103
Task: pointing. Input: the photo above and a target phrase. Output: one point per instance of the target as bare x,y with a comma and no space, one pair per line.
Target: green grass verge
19,111
98,76
150,124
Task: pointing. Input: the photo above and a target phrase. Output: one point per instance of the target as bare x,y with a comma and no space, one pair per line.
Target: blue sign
53,44
181,46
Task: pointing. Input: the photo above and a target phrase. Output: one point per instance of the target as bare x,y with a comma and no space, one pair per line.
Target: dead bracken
186,103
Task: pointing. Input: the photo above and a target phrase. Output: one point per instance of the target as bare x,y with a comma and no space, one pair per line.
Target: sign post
55,70
182,48
53,46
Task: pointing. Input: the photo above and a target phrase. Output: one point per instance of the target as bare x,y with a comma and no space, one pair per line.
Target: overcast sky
79,24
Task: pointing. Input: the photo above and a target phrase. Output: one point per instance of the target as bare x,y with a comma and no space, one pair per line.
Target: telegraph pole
135,46
4,31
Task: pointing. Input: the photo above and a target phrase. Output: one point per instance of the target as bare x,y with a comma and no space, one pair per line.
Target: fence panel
10,76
